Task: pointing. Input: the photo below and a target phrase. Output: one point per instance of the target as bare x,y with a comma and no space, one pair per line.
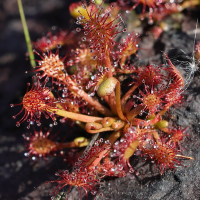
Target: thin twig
91,143
26,34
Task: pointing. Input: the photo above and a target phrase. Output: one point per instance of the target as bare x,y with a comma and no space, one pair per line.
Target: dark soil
21,179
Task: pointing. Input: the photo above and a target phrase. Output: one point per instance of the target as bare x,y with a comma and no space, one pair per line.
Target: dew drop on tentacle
94,57
26,154
86,33
83,6
33,158
93,192
112,43
101,140
83,38
58,46
150,22
78,29
46,116
119,15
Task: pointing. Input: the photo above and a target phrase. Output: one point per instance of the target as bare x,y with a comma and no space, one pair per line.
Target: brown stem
81,93
186,157
162,112
114,136
189,3
156,136
78,142
111,98
100,130
131,149
123,59
166,130
74,116
106,88
106,99
127,95
141,122
96,128
108,64
134,112
118,101
112,103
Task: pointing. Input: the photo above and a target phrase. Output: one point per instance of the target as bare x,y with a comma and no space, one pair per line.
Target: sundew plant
100,86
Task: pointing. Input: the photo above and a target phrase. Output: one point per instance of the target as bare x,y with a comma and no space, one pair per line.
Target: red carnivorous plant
99,87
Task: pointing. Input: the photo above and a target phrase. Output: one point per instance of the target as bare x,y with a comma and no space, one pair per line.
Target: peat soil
22,179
